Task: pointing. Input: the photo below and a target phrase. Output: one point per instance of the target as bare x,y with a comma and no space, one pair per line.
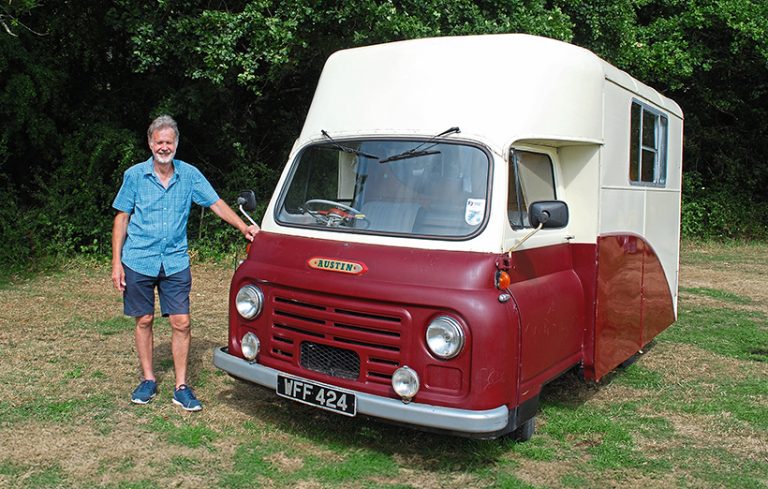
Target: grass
691,412
107,327
732,333
183,433
726,253
605,434
33,477
42,409
718,294
639,377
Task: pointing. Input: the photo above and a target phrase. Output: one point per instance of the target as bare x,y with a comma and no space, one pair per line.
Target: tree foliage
80,80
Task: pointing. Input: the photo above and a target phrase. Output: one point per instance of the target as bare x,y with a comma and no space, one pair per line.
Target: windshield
380,186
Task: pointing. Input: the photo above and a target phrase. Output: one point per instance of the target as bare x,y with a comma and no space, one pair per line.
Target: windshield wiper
346,149
409,154
416,152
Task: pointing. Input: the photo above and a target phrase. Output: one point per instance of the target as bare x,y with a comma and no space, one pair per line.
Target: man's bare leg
145,345
181,338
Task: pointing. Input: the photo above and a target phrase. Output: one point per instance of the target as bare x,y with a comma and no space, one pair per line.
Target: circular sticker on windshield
474,212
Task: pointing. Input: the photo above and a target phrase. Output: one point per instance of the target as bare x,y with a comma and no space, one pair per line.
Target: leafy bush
724,212
212,238
75,202
16,233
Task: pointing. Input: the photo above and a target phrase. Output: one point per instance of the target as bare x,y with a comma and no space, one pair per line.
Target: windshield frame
416,140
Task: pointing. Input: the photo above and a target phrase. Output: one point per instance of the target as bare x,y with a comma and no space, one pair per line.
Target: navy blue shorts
173,290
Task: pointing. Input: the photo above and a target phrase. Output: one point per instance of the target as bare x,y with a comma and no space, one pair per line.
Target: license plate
319,395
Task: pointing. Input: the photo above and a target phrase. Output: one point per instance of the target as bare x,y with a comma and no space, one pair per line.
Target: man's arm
221,209
119,232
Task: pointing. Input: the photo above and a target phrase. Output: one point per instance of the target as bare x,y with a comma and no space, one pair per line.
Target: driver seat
396,217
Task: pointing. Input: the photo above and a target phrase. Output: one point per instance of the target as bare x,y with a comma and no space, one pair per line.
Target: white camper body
510,91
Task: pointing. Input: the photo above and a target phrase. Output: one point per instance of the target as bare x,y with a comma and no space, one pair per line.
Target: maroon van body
562,313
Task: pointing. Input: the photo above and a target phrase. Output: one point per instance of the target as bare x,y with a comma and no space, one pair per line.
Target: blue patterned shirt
157,230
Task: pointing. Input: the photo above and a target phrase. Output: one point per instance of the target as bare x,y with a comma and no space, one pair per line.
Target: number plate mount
316,394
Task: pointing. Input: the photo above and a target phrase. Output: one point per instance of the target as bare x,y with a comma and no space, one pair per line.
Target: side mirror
247,199
551,214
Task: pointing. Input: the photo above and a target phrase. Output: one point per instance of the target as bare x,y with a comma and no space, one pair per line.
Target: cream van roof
499,88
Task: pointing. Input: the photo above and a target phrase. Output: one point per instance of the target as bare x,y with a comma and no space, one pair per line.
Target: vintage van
461,221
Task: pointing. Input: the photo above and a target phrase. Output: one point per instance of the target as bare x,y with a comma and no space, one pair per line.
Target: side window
531,178
647,146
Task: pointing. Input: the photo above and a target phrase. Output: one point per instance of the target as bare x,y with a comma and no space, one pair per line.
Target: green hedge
724,212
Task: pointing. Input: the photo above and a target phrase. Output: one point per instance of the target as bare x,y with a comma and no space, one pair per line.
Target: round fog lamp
445,338
405,382
250,345
249,300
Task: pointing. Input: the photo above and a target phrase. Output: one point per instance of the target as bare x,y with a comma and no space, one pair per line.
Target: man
149,249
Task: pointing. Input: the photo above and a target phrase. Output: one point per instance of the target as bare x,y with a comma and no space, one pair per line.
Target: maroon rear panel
658,311
371,323
634,302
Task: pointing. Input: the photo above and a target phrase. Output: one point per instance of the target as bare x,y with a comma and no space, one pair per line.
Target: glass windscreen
397,187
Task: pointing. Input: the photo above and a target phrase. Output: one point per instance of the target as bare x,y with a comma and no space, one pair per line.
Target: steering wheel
337,213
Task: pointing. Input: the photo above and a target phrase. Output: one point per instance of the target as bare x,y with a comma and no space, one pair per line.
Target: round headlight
405,382
445,338
249,301
250,345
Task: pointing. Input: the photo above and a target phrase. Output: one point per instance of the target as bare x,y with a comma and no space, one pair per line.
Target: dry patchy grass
69,364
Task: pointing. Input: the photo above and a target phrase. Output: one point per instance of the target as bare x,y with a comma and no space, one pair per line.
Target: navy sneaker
184,397
144,392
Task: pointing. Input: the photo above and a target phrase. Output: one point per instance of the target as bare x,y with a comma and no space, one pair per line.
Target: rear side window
647,146
531,179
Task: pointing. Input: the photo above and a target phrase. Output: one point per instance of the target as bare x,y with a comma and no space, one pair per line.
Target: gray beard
160,162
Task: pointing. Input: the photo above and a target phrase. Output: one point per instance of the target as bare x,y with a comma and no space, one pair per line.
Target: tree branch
17,21
5,26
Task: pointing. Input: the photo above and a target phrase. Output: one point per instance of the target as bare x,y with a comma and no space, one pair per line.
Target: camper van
461,221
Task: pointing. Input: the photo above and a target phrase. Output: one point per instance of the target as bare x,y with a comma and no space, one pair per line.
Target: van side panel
634,302
643,209
549,295
585,266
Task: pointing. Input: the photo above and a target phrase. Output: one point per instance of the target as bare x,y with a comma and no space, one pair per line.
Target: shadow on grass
414,448
421,449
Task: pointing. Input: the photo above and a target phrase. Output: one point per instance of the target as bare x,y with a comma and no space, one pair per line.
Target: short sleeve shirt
157,230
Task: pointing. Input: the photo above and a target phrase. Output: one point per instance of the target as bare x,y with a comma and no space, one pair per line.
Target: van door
546,290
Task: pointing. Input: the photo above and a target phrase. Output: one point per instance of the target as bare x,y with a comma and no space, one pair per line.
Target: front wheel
524,432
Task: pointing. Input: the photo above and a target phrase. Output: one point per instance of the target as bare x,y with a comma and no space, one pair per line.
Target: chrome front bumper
423,415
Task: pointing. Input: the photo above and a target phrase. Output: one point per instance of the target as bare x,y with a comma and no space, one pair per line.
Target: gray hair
161,123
